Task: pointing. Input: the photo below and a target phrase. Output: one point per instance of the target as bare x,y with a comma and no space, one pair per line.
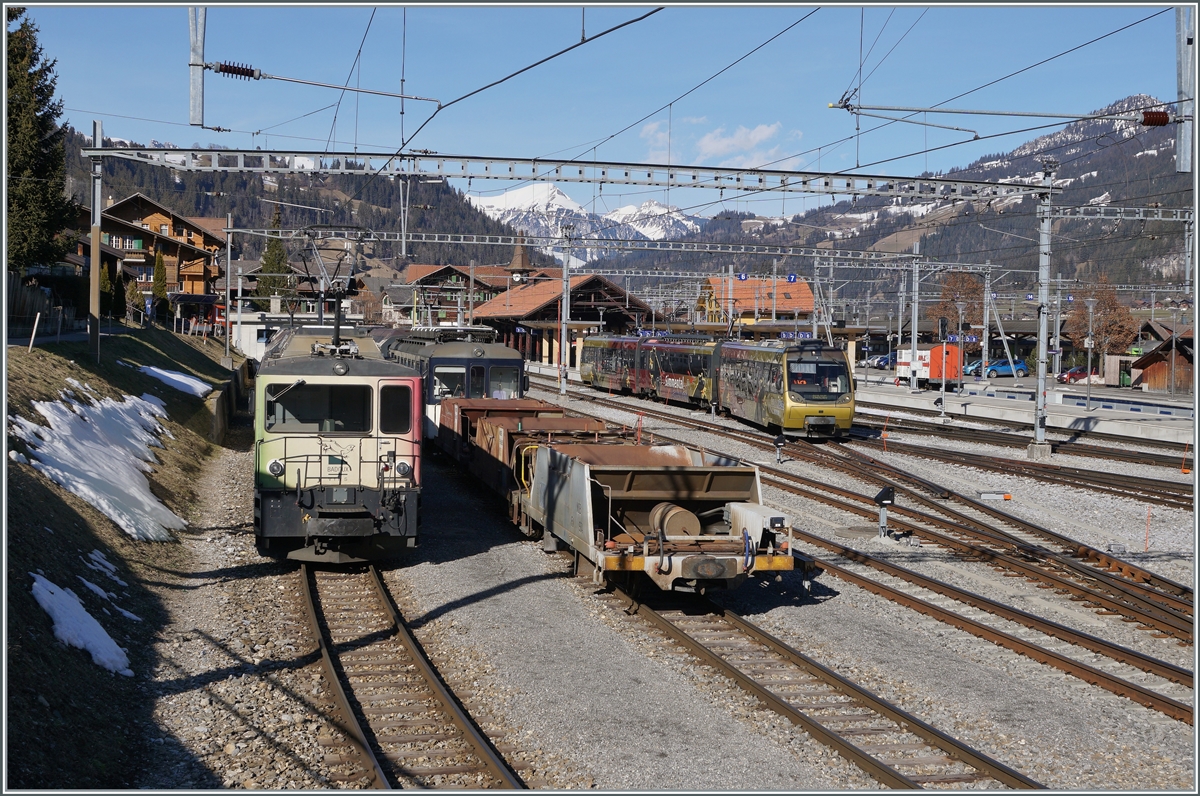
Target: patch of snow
180,381
92,587
17,457
101,453
1102,199
75,627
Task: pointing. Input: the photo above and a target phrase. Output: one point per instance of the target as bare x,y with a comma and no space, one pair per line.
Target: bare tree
1113,326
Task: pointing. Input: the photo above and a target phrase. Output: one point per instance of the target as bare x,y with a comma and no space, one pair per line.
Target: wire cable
441,108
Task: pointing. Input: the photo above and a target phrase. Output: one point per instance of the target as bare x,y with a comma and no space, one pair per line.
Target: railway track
1074,437
1171,494
866,427
1024,548
1066,574
894,747
399,725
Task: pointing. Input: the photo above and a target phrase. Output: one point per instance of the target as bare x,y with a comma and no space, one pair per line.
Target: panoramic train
795,388
337,448
456,362
676,516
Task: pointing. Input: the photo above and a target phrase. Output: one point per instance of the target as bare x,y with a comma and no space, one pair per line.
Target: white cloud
717,144
656,135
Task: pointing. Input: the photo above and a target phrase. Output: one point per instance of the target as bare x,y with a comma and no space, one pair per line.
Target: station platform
1155,419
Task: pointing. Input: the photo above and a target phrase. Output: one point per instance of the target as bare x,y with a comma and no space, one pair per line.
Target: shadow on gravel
254,720
257,569
460,517
792,591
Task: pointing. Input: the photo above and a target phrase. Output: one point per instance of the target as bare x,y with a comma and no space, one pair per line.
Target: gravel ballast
582,695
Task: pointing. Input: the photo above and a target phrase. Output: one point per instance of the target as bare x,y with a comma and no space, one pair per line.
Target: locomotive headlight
403,468
341,369
275,468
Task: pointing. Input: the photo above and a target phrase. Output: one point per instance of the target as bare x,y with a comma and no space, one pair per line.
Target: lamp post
890,315
1090,344
961,306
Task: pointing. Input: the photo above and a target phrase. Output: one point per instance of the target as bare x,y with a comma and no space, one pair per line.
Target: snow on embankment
100,451
180,381
75,627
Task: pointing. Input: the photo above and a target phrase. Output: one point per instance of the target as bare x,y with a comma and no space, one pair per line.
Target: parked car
1000,367
883,361
1077,373
972,368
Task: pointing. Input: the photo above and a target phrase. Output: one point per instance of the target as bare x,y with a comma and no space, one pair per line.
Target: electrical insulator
1155,118
237,70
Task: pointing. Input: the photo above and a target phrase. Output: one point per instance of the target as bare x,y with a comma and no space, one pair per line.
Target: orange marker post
885,422
1183,468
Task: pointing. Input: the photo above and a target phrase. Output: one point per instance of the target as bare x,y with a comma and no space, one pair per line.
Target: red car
1077,373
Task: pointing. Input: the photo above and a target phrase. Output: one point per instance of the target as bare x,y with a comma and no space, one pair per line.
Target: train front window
331,408
504,382
818,379
449,381
395,410
477,382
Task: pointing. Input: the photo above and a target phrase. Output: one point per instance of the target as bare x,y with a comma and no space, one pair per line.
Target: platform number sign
1029,297
993,294
953,338
1070,297
805,335
972,338
791,277
787,335
741,277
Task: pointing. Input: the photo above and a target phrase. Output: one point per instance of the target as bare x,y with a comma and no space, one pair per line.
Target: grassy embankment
71,723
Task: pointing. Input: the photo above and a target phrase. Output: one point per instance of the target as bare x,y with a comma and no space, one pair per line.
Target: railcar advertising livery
796,388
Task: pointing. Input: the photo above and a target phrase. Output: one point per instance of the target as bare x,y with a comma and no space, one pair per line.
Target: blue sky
127,66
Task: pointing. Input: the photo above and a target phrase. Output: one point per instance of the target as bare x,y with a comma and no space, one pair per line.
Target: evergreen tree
118,294
133,297
106,288
38,211
274,276
160,282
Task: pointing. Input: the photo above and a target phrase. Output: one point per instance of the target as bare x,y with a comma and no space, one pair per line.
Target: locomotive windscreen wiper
296,383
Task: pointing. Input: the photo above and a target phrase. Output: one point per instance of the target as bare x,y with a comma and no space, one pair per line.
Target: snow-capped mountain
541,209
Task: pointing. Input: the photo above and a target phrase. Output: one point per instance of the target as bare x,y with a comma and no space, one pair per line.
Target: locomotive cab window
319,407
817,378
395,410
449,381
477,382
504,382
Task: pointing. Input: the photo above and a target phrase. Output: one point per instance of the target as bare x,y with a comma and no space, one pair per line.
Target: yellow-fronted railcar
799,389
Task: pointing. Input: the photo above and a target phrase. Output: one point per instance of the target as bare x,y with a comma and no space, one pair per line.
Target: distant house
140,228
753,300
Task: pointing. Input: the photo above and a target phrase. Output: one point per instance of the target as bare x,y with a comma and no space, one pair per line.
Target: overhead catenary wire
404,143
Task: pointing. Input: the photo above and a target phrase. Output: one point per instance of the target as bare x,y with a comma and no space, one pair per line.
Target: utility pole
774,286
228,263
1039,448
564,338
987,303
1057,325
916,301
97,259
471,316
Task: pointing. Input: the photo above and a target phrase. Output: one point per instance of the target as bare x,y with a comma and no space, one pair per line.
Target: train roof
310,351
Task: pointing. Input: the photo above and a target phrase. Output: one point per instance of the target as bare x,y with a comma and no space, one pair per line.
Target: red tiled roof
492,275
790,296
528,299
